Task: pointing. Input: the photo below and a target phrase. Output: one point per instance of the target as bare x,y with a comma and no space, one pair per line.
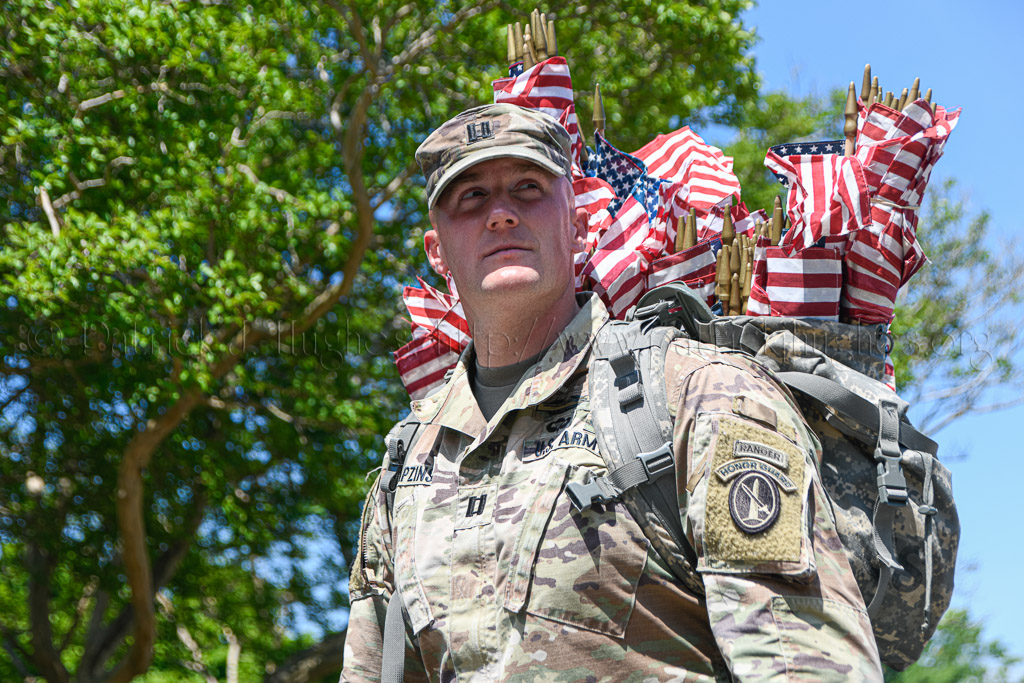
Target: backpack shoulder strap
634,433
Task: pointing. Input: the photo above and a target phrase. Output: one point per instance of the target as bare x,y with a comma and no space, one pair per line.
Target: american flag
898,150
695,267
806,284
431,310
546,87
703,173
828,196
618,266
423,362
440,333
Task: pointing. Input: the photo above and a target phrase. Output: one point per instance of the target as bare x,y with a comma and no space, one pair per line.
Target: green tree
958,653
209,212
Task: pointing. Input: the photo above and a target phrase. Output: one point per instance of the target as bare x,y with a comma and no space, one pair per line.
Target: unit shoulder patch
754,502
754,510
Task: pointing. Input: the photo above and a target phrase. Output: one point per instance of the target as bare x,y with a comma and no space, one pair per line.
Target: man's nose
502,216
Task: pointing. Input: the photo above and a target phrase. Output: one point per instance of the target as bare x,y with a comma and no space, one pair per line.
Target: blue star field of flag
791,148
626,174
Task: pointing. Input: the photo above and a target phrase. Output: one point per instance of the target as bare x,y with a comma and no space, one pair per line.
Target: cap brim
486,155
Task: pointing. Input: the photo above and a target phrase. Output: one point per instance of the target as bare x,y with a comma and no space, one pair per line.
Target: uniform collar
454,406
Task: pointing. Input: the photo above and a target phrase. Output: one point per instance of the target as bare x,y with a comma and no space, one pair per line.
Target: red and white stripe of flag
695,267
617,270
423,363
546,87
828,196
433,311
807,284
703,173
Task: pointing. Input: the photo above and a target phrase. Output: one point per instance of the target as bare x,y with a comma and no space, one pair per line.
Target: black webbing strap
398,448
392,668
855,407
892,484
643,451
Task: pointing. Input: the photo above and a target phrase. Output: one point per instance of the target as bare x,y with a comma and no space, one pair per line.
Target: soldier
500,576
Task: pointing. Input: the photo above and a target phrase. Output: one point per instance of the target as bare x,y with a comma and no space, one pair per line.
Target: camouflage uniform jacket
504,580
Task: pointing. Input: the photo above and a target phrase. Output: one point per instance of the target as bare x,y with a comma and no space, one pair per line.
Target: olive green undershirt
491,386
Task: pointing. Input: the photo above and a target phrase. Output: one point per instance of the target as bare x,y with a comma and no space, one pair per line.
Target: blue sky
970,58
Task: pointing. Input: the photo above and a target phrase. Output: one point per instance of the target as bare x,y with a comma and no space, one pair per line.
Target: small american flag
546,87
806,284
434,311
898,150
695,267
440,333
618,266
423,363
704,174
828,196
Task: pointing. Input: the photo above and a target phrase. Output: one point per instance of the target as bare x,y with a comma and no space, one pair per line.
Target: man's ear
579,228
435,255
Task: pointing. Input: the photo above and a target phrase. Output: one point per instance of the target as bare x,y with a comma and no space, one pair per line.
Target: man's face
508,227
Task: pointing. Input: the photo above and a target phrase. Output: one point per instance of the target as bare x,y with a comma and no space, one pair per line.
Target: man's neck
506,337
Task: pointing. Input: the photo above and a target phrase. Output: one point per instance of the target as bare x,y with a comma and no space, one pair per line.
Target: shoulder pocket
749,509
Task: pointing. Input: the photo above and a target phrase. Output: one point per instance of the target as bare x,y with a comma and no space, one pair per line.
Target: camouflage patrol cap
491,132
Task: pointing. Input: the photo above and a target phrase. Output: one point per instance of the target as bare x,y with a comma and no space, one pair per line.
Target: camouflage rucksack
892,498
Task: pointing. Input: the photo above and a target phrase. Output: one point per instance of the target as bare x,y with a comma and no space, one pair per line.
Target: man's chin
510,278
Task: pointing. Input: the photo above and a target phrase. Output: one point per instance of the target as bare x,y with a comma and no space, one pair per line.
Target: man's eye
471,194
529,185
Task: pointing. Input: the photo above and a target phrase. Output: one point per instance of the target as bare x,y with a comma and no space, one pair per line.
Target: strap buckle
583,495
892,485
658,462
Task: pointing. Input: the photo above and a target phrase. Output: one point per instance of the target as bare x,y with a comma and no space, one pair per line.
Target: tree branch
264,120
311,664
44,655
93,182
51,215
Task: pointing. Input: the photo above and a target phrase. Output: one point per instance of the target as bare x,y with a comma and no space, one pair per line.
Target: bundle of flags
850,246
440,333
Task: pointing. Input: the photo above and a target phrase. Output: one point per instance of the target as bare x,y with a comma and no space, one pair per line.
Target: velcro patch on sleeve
755,495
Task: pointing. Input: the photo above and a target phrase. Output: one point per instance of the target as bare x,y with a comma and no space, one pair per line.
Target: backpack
892,498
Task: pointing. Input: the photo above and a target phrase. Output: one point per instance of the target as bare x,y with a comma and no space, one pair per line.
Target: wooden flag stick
735,305
915,91
599,119
529,55
681,234
728,229
518,35
865,85
722,276
511,45
888,98
776,235
873,93
850,115
552,39
540,36
903,99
